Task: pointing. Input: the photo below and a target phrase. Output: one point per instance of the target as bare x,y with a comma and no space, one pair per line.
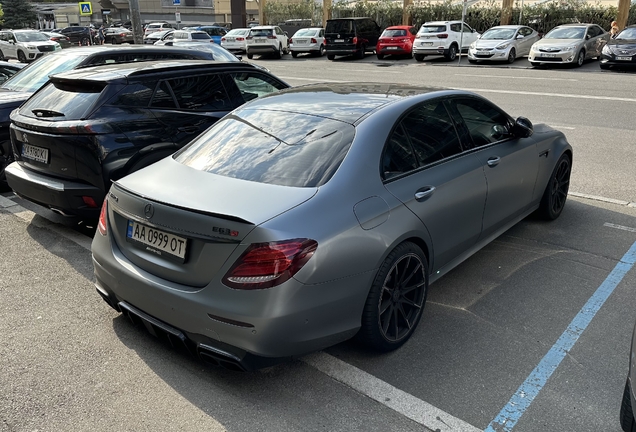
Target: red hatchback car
396,40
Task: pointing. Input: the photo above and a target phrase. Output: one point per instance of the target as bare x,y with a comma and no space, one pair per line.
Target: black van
346,36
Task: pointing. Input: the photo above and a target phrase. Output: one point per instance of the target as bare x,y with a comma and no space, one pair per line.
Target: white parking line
404,403
558,95
620,227
517,77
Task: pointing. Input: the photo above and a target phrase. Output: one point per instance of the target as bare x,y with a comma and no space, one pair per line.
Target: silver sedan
570,44
503,43
288,227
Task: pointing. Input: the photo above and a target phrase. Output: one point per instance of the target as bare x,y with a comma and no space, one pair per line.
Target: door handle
188,129
493,161
424,192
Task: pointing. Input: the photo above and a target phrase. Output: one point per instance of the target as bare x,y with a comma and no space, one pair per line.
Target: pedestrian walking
100,35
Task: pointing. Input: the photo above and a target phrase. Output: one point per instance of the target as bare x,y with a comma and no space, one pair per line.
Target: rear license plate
426,43
391,48
300,42
230,39
260,40
339,40
624,58
157,241
38,154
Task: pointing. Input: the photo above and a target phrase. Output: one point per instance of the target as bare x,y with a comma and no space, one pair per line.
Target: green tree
19,14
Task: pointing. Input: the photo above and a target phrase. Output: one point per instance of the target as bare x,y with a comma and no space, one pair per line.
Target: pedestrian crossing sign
85,8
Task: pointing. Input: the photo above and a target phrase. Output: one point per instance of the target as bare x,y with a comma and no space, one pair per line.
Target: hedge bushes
482,16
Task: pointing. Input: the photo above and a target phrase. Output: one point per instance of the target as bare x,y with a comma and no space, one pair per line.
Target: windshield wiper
40,112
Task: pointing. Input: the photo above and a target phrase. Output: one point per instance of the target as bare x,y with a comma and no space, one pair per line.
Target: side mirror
587,37
520,36
522,128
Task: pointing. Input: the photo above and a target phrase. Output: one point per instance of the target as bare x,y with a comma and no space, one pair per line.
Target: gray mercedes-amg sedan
309,216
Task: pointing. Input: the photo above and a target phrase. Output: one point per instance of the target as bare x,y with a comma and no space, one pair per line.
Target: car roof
399,27
350,18
118,49
575,25
328,101
509,26
118,71
263,27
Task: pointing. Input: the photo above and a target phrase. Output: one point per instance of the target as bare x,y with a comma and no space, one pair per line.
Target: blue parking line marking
525,394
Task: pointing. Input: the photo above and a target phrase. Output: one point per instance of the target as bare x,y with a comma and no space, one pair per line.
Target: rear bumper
304,48
393,49
266,326
60,195
268,49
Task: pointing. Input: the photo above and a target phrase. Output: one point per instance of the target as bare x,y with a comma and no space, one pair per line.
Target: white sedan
308,40
234,40
503,43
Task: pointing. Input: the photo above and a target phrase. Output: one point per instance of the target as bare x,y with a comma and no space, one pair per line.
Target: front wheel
604,66
556,192
21,57
2,56
471,61
580,58
396,299
512,56
535,64
451,54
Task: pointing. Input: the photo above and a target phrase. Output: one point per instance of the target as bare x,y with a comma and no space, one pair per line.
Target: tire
535,64
419,57
628,423
580,59
322,51
331,56
250,56
2,58
472,61
380,56
512,56
113,41
279,54
5,160
604,66
21,57
389,306
361,52
294,54
86,42
556,192
451,54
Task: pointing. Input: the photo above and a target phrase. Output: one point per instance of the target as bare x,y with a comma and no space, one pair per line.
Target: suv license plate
260,40
624,58
38,154
157,241
426,43
339,40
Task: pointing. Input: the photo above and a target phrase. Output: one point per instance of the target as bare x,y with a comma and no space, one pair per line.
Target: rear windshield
432,29
34,76
62,101
393,33
275,147
306,32
261,32
340,26
200,36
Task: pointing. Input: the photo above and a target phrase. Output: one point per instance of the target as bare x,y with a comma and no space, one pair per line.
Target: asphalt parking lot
74,364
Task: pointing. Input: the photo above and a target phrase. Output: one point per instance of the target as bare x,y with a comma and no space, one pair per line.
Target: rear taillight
291,40
122,34
89,201
313,40
442,36
266,265
82,128
271,37
405,40
222,39
101,226
355,40
240,39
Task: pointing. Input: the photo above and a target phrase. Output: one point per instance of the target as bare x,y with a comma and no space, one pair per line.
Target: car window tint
134,95
200,93
163,97
269,146
397,157
432,133
252,85
339,26
486,124
63,101
456,27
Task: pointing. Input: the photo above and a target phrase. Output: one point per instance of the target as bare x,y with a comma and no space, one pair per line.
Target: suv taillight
442,36
355,40
103,223
271,37
266,265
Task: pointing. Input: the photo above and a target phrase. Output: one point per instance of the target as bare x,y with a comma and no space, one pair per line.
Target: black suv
24,83
78,35
346,36
88,127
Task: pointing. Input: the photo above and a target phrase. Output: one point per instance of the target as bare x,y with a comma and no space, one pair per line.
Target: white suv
266,40
442,38
25,45
155,27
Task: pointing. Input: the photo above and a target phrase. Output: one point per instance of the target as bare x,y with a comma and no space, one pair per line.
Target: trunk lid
212,213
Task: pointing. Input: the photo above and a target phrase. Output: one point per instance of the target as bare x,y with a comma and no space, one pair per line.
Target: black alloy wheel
21,57
396,299
512,55
452,53
556,192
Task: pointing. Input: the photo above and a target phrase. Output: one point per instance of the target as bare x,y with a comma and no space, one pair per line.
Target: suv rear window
432,29
63,101
261,32
275,147
340,26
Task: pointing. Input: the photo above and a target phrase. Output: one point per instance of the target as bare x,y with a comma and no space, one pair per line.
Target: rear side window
200,93
63,101
134,95
266,146
252,85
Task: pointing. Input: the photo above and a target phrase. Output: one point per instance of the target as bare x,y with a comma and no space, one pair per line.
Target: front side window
486,124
